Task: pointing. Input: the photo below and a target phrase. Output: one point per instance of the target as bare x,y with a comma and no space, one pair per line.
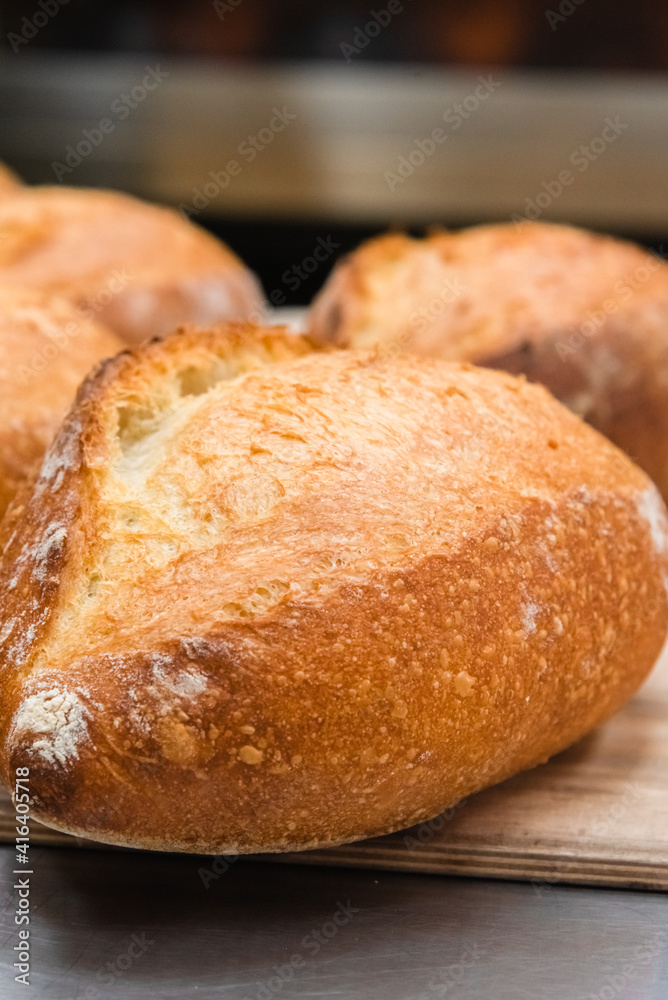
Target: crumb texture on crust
263,598
586,315
46,348
142,269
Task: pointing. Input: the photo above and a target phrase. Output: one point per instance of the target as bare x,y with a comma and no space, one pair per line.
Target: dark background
604,35
55,77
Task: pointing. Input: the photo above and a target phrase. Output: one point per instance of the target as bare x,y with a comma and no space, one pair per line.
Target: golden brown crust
583,314
46,348
263,599
9,181
143,270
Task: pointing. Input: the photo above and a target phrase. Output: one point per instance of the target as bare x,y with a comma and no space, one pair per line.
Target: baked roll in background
46,348
585,315
9,181
143,270
262,599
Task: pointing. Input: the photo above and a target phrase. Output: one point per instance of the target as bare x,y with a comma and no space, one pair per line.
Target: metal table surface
119,924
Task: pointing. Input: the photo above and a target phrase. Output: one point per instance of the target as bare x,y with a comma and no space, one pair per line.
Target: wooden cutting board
597,815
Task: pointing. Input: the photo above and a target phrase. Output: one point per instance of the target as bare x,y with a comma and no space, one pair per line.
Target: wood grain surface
595,815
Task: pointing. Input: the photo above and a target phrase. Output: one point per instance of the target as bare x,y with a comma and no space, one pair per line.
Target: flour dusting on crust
53,539
59,717
184,684
529,612
652,508
62,456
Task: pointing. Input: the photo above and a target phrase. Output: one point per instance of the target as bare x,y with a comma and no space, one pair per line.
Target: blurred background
290,128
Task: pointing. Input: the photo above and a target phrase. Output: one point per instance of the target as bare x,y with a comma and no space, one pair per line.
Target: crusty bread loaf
46,348
143,270
584,314
8,180
262,599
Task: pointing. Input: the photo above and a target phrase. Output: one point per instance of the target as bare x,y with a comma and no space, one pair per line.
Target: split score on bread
82,272
264,599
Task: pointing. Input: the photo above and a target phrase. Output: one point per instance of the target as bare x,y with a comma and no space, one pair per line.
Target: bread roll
586,315
141,269
8,180
263,600
46,349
